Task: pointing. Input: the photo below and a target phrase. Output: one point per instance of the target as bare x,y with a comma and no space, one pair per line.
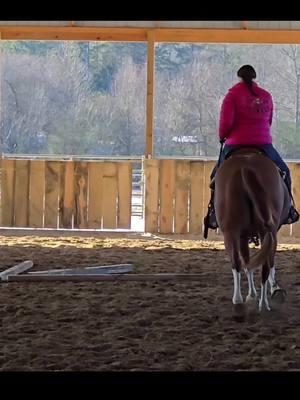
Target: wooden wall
65,194
177,194
98,194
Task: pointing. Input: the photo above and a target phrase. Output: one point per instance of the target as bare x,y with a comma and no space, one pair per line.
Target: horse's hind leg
268,275
252,294
263,302
277,293
271,278
232,246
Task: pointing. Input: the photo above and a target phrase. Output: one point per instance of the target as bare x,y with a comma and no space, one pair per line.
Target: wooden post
7,192
67,199
197,196
151,195
124,172
95,186
36,193
1,222
1,133
208,167
80,194
52,179
21,193
166,195
150,94
109,200
295,173
182,192
285,230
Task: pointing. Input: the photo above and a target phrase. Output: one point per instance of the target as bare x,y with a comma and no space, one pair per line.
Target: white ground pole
105,269
116,272
17,269
104,277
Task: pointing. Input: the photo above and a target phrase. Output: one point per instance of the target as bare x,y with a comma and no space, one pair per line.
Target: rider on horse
245,121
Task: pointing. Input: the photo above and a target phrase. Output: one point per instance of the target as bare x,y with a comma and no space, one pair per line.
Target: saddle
245,151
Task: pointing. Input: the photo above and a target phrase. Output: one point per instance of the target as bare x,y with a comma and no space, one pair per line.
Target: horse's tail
257,193
262,255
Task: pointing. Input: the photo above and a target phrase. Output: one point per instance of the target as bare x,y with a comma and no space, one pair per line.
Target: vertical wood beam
150,94
1,130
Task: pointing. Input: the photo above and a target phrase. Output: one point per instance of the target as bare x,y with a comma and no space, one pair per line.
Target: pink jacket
244,118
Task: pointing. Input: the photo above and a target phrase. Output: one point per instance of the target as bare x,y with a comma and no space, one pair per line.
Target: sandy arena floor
141,326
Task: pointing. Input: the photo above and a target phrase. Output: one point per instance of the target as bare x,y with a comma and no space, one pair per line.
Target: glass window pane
191,81
73,98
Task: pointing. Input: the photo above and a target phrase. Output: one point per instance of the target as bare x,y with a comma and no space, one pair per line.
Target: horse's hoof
239,312
278,296
251,299
264,308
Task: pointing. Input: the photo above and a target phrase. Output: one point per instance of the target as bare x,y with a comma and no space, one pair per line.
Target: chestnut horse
251,199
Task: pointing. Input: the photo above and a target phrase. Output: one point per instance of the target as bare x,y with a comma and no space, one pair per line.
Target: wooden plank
0,168
52,179
80,194
150,93
124,194
197,197
7,192
201,35
274,36
62,178
95,194
208,167
66,200
36,193
110,185
166,195
285,230
295,174
15,270
87,33
182,191
107,277
151,171
21,193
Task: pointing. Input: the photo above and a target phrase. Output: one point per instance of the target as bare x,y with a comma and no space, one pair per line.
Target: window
73,98
192,79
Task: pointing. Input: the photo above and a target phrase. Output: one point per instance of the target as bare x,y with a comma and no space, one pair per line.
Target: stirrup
254,239
293,216
210,220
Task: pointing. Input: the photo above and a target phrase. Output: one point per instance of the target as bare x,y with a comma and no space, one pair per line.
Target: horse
251,200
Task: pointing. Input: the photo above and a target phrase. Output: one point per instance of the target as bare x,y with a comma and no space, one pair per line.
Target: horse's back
265,170
246,181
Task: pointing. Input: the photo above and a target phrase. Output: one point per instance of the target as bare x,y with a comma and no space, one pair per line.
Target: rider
245,120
